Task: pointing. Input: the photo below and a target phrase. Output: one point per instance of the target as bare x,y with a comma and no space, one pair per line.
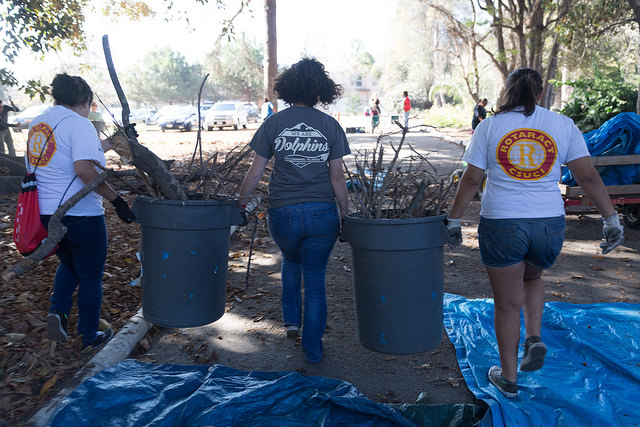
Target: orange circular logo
39,135
526,154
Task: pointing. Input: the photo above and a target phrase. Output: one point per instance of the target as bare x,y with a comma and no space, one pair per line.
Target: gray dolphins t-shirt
303,140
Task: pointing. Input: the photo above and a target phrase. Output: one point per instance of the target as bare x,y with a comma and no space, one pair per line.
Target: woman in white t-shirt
521,230
61,148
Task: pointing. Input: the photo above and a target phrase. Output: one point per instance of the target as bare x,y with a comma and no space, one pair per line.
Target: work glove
454,231
123,211
612,232
340,238
243,215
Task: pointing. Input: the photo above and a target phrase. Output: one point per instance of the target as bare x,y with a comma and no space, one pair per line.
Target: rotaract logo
526,154
39,135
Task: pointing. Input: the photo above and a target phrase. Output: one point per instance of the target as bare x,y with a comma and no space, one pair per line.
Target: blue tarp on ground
133,393
591,375
617,136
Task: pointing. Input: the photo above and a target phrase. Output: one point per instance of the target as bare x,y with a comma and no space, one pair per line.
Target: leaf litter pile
34,368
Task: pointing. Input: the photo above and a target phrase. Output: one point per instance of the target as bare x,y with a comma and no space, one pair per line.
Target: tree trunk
270,53
550,72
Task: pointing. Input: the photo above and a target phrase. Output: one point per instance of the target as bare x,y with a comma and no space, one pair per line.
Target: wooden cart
626,197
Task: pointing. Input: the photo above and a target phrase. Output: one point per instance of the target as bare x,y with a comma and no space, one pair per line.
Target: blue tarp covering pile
591,375
133,393
618,136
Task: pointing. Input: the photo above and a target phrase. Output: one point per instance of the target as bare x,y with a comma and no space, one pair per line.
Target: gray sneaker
507,388
57,326
534,352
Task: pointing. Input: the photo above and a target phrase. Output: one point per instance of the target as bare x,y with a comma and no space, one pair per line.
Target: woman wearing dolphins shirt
521,230
306,184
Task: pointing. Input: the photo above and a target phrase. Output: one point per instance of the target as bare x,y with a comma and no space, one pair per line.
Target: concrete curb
116,350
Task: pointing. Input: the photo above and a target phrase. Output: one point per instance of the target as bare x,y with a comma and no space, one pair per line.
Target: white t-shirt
523,156
74,138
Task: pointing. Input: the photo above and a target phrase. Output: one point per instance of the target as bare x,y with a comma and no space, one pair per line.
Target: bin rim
212,202
392,221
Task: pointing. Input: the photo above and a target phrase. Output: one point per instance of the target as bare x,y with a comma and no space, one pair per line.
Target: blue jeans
305,234
82,253
506,242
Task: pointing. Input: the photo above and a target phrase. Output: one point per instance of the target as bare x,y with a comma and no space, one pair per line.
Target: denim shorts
505,242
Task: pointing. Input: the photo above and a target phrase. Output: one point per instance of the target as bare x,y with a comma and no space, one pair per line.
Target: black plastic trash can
185,251
398,277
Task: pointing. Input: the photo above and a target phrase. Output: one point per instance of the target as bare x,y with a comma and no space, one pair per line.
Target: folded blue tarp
618,136
133,393
591,375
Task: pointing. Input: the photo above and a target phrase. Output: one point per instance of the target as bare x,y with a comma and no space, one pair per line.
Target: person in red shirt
407,108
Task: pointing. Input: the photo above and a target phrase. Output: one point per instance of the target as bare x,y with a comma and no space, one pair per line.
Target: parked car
22,119
253,114
142,116
184,117
226,114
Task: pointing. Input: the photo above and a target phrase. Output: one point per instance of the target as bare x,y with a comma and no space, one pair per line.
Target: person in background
375,117
522,147
5,132
479,114
62,145
406,108
266,110
96,118
307,194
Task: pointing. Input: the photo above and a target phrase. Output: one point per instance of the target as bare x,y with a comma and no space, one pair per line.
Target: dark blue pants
82,253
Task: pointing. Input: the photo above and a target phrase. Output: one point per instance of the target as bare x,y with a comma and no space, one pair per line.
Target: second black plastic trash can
398,282
185,251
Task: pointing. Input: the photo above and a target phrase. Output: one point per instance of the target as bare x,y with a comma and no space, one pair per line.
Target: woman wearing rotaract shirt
521,230
61,148
307,193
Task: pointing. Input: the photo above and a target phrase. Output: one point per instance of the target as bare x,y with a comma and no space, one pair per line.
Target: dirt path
250,335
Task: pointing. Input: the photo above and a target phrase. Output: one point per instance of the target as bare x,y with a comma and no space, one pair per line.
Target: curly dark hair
522,89
70,90
307,82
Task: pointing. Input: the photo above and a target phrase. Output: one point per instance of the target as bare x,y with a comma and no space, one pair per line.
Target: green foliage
46,25
353,105
164,76
457,117
236,71
597,99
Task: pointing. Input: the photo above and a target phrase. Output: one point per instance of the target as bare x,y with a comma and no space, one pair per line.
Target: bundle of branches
408,186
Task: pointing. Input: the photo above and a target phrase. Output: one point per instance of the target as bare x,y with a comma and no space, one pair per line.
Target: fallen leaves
48,384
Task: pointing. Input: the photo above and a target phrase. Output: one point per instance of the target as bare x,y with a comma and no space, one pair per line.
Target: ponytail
522,89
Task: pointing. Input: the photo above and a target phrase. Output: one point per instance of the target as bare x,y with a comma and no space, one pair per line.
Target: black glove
123,211
245,220
340,238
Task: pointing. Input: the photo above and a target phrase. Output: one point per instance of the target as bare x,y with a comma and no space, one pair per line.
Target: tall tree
270,51
164,76
517,34
236,70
